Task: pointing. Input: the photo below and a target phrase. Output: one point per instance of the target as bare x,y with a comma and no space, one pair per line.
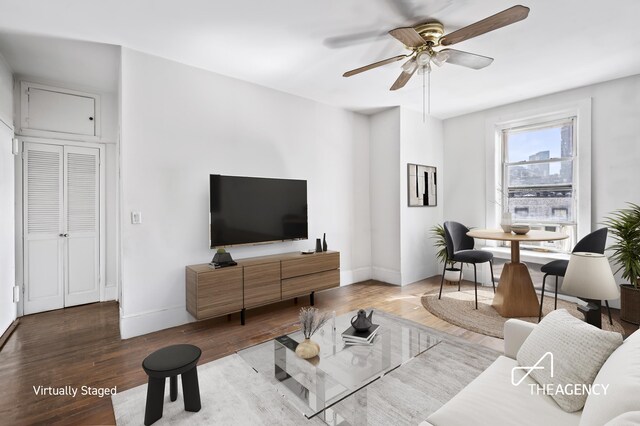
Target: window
538,178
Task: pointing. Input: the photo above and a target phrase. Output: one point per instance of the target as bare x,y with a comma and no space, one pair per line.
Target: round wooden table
515,295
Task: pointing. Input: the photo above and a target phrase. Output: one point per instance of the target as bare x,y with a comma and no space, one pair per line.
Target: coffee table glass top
315,385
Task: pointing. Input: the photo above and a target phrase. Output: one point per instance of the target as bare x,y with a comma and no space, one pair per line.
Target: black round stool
169,362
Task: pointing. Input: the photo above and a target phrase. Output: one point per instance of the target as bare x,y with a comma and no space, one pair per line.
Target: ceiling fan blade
408,36
403,78
339,42
466,59
499,20
373,65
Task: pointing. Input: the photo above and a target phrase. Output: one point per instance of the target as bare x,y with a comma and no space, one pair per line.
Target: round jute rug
457,307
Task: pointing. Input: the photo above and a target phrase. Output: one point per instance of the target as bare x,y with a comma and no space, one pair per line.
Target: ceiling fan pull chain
429,88
424,117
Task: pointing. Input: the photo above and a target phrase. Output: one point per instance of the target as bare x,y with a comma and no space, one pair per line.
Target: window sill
529,256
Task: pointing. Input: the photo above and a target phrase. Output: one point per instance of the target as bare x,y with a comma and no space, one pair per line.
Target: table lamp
589,277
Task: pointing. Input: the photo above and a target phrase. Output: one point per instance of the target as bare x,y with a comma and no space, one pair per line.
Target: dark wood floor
82,346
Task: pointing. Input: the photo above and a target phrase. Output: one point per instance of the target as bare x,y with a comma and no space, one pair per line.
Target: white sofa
493,400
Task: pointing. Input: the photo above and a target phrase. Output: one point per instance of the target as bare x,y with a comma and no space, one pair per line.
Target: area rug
458,308
233,393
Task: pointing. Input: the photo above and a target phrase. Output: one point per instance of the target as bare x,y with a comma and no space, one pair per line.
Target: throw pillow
577,349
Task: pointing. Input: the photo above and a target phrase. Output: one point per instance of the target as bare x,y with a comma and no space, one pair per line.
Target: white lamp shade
589,276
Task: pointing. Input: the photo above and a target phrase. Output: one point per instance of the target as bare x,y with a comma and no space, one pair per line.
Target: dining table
515,296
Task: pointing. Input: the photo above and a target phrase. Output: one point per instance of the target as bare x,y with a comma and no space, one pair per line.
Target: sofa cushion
578,351
492,399
622,373
630,418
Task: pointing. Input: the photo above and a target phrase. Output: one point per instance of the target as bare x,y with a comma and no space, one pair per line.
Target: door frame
19,192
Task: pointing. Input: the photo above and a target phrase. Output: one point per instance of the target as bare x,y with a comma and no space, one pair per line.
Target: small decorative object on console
324,242
520,228
362,322
311,320
318,245
222,259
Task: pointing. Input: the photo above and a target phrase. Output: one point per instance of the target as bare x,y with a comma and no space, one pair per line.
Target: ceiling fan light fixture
440,58
424,69
423,58
410,66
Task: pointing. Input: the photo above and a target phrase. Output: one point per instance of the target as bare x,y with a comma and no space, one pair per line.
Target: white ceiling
88,65
294,45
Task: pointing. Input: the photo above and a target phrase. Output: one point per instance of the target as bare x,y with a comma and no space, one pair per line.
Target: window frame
500,120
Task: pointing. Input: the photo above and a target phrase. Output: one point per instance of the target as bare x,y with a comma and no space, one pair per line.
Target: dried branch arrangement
311,320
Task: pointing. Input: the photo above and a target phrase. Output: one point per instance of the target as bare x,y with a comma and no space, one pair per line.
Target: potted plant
624,226
451,273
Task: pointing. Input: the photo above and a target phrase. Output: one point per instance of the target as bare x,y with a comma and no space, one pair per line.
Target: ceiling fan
421,39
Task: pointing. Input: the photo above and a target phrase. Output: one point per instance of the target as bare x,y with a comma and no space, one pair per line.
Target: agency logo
551,389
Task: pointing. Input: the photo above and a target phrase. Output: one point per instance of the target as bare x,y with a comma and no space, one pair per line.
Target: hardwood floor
82,346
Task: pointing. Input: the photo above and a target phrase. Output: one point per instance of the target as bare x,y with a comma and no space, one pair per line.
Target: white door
43,227
82,226
61,220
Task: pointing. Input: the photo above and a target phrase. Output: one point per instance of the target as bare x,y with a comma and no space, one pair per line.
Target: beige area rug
457,307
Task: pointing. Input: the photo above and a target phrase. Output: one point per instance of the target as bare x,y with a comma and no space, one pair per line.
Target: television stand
259,281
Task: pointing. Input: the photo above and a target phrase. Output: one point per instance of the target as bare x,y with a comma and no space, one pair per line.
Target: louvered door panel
81,180
43,226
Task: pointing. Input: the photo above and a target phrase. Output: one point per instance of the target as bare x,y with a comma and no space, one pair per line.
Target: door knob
64,235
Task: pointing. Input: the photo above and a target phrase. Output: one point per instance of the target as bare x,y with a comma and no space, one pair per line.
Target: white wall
615,155
179,124
421,143
6,93
402,251
7,222
384,176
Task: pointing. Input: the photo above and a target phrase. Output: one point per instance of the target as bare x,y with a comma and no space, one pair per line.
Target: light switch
136,218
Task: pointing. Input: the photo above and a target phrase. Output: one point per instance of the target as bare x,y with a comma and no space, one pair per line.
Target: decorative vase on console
324,242
505,223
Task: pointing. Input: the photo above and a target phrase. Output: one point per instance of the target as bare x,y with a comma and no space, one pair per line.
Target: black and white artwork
422,183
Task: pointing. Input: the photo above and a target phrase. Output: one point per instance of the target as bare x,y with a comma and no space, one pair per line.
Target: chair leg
475,283
460,277
555,302
442,280
155,399
544,281
606,302
191,390
493,280
173,388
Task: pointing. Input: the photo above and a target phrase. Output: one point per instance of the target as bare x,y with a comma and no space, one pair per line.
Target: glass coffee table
314,386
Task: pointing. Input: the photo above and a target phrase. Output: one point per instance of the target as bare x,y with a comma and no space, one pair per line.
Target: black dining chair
595,242
460,249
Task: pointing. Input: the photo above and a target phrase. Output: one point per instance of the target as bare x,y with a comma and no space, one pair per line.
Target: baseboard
148,322
389,276
5,336
110,293
355,275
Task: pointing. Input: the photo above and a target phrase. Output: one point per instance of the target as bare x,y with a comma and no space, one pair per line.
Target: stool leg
173,386
191,390
555,301
155,397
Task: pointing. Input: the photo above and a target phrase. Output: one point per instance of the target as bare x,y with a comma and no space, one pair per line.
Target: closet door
82,226
43,227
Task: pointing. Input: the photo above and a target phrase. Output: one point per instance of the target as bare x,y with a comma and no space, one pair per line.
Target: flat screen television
249,210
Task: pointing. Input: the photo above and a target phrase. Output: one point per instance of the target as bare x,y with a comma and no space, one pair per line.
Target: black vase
324,242
318,245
